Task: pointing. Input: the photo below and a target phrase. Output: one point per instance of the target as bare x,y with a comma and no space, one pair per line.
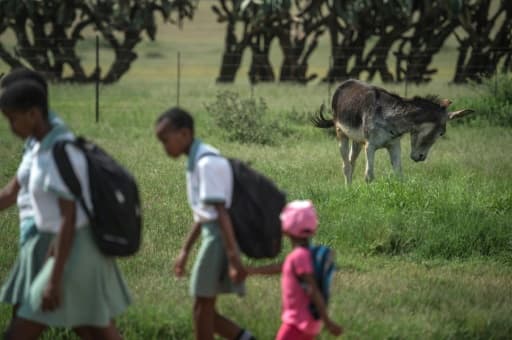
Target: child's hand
333,327
51,297
251,270
237,272
179,264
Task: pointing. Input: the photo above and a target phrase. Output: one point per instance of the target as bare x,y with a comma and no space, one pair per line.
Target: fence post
97,78
178,80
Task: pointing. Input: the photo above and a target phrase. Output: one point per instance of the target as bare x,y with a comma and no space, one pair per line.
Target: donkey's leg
344,150
394,155
370,156
355,150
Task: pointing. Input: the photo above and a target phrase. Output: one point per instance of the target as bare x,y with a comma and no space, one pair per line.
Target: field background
427,257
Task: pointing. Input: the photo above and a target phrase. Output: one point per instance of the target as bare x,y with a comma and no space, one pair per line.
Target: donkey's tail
320,121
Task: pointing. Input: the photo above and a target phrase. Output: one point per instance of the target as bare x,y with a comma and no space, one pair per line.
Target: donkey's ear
459,114
445,102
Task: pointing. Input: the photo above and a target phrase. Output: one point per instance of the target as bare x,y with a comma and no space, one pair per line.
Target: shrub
243,120
493,102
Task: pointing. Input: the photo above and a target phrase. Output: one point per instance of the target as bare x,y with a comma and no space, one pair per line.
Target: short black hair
23,74
177,118
23,95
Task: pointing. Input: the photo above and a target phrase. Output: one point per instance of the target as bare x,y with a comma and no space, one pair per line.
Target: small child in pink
298,286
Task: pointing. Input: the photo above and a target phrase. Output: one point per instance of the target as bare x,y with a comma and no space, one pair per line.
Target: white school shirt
209,180
46,185
23,173
22,176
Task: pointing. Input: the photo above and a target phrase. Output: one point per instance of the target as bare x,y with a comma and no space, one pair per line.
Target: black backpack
255,208
117,222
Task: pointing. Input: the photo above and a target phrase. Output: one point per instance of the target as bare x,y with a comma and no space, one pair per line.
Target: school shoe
245,335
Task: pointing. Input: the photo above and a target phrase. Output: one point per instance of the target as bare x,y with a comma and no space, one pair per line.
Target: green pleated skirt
210,275
31,258
93,289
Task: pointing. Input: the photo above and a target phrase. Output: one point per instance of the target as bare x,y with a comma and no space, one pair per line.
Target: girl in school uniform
78,287
16,191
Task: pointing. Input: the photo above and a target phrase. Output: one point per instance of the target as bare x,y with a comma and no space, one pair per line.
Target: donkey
371,116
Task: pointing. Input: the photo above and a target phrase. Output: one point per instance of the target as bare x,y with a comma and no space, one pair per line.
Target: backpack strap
68,174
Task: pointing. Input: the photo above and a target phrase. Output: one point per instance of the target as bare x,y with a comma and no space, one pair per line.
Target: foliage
47,32
366,35
492,102
243,120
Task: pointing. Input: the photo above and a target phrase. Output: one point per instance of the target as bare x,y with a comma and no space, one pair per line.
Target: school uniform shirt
209,181
26,212
295,300
46,185
22,176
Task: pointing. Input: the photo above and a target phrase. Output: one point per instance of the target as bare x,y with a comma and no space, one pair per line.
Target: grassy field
425,257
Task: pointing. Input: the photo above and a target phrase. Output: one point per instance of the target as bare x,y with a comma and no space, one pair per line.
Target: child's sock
245,335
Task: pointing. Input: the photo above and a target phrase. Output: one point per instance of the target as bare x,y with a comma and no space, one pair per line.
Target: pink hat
299,218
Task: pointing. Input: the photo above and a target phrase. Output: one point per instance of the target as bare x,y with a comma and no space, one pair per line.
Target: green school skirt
93,289
30,259
209,275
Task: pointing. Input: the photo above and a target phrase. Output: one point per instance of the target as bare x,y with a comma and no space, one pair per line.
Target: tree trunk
261,69
232,56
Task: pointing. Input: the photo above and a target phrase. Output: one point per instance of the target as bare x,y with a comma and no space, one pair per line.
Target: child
77,287
217,268
298,286
16,191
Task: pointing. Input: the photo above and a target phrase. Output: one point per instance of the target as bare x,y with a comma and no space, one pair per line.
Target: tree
434,22
255,24
488,39
354,25
298,37
47,32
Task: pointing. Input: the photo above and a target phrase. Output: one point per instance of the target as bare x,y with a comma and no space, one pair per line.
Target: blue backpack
324,267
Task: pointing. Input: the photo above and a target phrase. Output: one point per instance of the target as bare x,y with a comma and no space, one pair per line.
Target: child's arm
179,266
9,193
269,269
237,271
51,295
319,302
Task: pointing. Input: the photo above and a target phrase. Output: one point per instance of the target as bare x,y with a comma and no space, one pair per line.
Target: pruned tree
47,32
434,21
488,39
362,34
228,11
298,38
255,24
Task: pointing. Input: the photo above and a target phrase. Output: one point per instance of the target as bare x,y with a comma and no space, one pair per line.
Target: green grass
428,256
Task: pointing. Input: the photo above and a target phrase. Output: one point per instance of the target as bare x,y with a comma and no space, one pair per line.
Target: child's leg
13,317
23,329
107,333
204,317
84,333
289,332
225,327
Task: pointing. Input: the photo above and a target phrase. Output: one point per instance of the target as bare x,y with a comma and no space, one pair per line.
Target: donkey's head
429,123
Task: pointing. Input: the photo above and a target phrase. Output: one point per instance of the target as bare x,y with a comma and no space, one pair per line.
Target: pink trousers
290,332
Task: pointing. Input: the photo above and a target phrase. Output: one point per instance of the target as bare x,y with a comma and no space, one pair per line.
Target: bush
243,120
493,102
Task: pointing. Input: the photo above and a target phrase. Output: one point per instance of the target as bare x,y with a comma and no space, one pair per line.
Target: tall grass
425,256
